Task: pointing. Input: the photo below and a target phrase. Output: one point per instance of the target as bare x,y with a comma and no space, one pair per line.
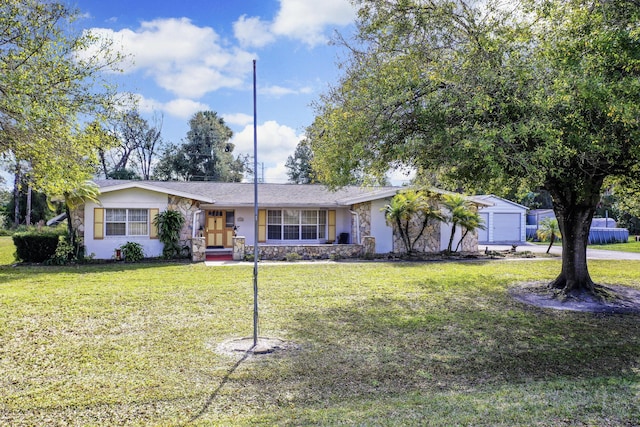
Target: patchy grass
379,344
630,246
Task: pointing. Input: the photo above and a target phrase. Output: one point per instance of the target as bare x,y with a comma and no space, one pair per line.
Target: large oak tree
51,81
543,92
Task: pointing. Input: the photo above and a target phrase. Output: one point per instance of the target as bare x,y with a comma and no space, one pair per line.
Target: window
126,222
294,224
230,220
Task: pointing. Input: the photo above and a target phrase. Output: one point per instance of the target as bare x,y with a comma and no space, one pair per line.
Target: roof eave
144,186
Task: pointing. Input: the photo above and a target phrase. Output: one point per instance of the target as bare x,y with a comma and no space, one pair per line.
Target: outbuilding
504,221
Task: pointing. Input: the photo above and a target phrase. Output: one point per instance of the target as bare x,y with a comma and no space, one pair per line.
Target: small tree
299,169
404,208
549,229
461,214
169,224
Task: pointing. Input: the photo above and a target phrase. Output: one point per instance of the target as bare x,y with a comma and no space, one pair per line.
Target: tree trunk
552,240
70,230
16,196
453,232
574,223
28,214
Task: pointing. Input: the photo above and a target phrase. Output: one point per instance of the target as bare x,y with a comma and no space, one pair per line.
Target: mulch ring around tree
621,299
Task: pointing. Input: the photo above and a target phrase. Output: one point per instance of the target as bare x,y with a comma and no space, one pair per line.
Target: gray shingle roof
271,195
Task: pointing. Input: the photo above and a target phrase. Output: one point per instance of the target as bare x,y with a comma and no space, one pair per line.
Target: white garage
505,221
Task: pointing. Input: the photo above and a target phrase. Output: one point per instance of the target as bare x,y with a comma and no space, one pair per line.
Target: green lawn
379,344
630,246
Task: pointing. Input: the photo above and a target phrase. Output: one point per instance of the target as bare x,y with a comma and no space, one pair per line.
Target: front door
219,228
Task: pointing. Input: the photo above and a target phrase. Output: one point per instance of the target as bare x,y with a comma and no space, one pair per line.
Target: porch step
219,256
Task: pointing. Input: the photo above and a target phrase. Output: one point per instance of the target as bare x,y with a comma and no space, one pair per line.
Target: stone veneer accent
186,207
364,217
238,248
77,221
429,242
368,246
470,243
198,249
319,251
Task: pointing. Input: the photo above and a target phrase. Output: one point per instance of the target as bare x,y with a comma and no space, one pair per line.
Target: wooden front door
219,228
215,228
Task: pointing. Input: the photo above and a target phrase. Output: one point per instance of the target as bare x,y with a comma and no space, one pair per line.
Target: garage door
483,235
506,227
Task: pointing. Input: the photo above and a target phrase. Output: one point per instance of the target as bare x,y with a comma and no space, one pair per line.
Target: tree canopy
299,169
542,92
206,155
136,144
50,80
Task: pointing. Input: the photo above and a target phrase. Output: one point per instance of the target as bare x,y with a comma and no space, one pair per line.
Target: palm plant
549,229
407,206
461,214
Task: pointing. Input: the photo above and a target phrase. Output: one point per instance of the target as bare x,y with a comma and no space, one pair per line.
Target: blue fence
603,235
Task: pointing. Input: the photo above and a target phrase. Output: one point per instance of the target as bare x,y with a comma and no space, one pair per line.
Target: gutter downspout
357,222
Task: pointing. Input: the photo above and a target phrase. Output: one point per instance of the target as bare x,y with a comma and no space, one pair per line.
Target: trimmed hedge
34,246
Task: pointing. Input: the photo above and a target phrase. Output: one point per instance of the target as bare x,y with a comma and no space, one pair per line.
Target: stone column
369,245
198,249
238,248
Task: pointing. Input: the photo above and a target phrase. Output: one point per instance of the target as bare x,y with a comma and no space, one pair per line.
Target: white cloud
253,31
278,91
306,20
276,142
297,19
276,174
185,59
239,119
184,108
180,108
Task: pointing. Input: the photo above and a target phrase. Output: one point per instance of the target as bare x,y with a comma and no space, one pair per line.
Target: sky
186,56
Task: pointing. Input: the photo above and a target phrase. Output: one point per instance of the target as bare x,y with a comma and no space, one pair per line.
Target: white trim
489,196
144,186
374,195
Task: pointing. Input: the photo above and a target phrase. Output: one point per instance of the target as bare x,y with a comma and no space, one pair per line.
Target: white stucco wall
445,235
379,228
132,199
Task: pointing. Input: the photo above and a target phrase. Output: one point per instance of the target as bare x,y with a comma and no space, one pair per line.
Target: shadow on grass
389,346
212,398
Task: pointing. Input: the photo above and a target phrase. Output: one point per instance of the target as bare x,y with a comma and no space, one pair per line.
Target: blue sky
187,56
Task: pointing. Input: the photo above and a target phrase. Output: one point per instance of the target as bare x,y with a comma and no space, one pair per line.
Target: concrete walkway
526,246
557,250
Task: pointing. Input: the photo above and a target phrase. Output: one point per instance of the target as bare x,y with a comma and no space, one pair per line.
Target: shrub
36,246
132,252
169,224
293,256
64,252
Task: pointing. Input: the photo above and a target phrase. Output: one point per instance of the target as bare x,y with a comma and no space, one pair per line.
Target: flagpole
255,208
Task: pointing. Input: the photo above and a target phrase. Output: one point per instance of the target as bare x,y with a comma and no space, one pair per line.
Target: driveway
557,250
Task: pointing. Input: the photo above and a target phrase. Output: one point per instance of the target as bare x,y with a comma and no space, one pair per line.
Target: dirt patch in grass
625,300
264,345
